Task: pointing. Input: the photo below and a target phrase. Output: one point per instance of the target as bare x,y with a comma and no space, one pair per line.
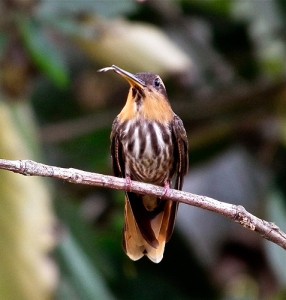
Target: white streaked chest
148,148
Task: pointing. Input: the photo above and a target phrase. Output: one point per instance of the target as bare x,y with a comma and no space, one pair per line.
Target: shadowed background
223,64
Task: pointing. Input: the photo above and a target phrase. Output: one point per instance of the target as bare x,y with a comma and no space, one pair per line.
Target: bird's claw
128,184
166,192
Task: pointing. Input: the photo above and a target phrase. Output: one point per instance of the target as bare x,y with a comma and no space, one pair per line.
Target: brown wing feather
117,155
181,162
181,151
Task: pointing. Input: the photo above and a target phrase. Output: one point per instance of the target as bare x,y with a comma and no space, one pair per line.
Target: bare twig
236,213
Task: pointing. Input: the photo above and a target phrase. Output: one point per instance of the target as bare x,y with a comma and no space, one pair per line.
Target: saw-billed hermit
148,144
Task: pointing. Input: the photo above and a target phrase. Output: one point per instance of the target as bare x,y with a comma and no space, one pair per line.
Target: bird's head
147,96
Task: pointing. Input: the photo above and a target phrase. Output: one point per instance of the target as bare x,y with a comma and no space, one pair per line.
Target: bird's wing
180,151
117,155
181,162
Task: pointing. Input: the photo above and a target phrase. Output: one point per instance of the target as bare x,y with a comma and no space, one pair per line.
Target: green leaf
86,280
44,53
221,7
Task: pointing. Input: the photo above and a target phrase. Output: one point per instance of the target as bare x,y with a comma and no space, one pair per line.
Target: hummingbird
148,144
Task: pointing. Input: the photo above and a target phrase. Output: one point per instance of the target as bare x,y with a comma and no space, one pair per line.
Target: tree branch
236,213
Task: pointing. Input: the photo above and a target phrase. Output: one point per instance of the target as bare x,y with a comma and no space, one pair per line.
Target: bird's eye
157,82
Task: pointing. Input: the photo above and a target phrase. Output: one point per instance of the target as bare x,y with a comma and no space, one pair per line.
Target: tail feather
136,245
133,241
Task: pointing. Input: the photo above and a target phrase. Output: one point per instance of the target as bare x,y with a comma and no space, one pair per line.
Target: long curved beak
131,78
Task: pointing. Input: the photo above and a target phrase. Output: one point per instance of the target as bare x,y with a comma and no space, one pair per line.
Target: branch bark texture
236,213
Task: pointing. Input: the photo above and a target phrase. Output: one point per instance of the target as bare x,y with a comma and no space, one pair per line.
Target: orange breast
152,107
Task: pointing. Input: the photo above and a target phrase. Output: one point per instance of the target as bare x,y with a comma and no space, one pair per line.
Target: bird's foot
128,183
166,192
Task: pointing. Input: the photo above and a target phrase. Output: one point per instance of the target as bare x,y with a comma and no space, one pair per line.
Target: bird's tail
146,232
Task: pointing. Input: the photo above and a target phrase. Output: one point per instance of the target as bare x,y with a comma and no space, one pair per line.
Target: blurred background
223,63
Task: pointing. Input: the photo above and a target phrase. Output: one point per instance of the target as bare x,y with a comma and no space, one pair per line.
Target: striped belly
148,151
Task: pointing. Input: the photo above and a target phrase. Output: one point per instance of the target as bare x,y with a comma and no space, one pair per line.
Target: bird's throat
148,107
